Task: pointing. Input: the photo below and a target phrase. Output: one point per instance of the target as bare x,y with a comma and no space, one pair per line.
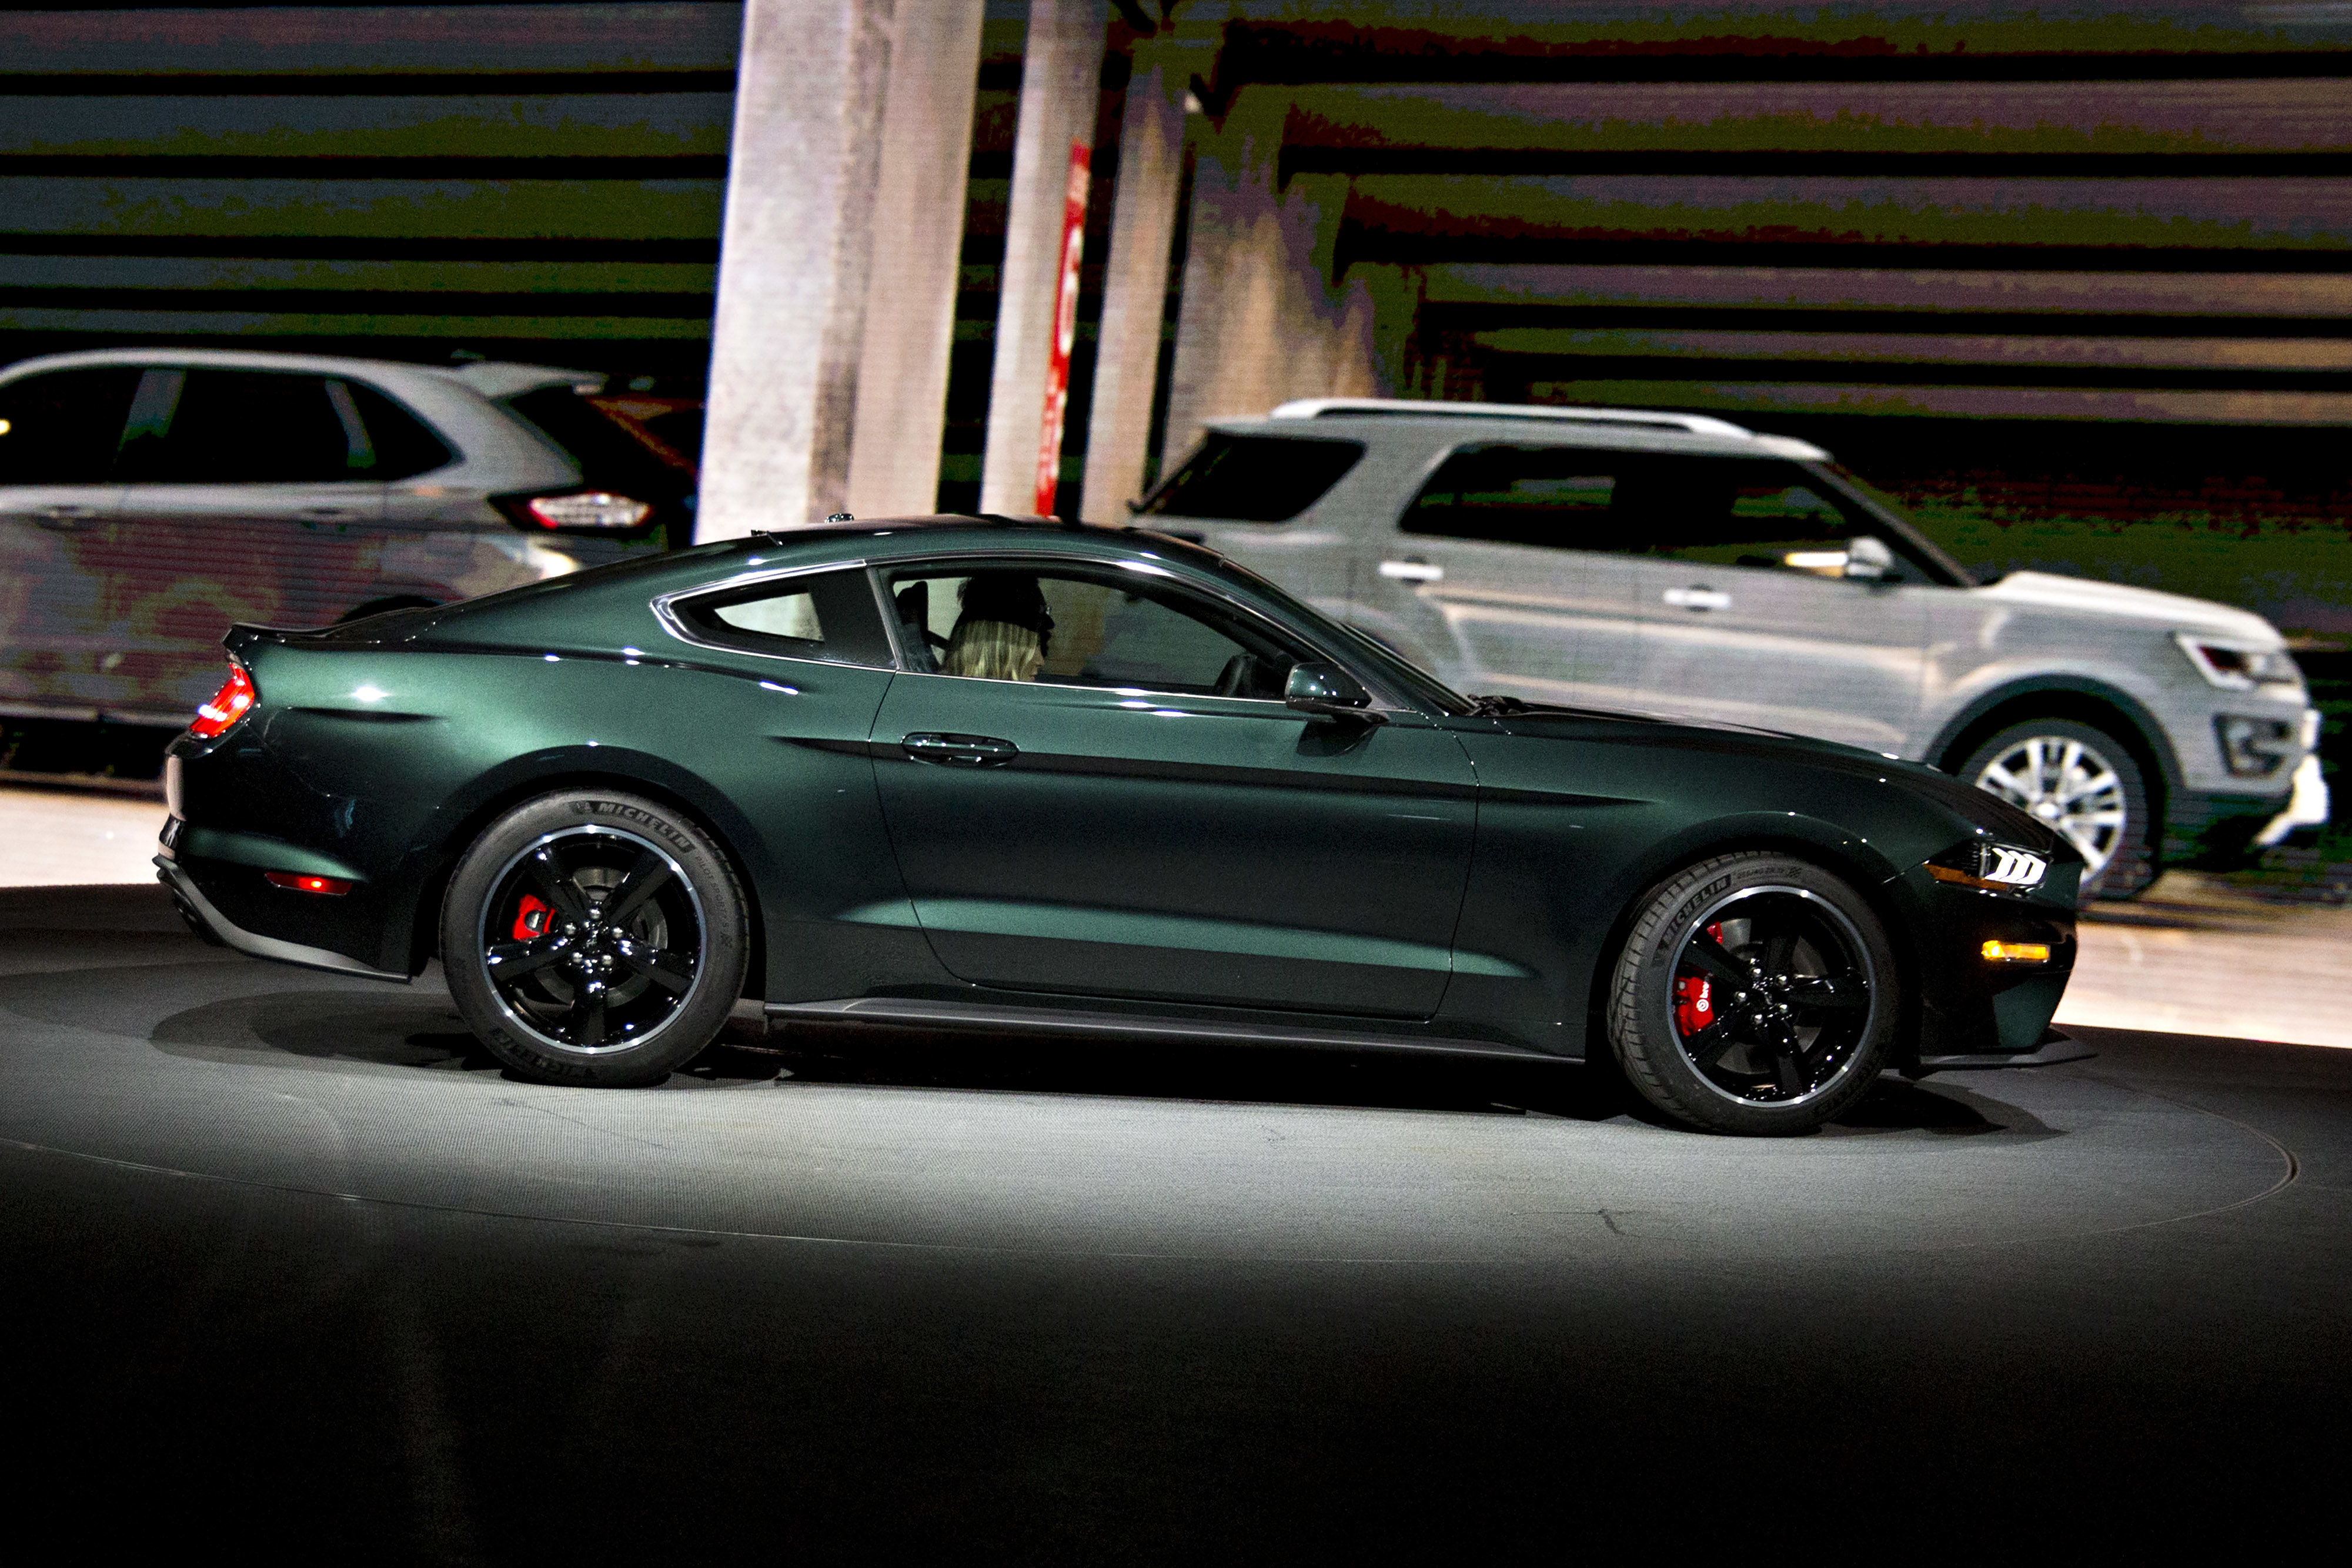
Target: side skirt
989,1018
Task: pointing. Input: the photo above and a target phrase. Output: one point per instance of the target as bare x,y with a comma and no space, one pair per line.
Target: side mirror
1326,691
1868,558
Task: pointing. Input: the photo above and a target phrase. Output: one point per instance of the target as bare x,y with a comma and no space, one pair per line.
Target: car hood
2044,590
1969,805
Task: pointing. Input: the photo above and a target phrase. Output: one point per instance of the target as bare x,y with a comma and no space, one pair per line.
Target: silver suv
150,497
1679,565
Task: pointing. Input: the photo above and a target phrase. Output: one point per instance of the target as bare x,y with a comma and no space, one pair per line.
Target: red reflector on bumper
300,882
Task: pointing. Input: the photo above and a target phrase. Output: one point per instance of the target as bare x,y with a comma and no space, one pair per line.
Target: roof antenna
839,518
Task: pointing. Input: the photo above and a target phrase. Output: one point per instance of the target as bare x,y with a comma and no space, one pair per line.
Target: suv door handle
1699,598
961,750
64,516
1412,572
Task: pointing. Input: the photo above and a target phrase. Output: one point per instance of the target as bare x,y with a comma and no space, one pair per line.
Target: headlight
2234,667
1999,868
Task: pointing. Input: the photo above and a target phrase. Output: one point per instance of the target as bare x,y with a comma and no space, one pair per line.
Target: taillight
231,703
586,509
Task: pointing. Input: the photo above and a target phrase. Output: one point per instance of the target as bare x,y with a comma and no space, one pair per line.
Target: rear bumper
209,922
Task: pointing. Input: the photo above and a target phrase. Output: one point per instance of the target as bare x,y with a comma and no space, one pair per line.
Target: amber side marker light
299,882
2016,951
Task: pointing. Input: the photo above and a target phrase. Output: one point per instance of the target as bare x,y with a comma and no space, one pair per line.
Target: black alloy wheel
593,938
1757,994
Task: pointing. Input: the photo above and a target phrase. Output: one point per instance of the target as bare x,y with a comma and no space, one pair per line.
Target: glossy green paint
1454,877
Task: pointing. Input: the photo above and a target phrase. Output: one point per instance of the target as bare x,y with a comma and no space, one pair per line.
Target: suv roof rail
1692,423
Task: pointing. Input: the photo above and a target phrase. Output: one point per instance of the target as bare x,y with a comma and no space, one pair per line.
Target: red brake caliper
531,920
1694,1003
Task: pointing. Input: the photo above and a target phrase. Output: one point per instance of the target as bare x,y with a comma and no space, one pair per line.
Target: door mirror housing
1868,558
1326,691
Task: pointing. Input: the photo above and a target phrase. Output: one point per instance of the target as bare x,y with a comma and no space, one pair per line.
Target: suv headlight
2234,667
1982,863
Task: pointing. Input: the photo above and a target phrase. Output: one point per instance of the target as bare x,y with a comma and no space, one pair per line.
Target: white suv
151,497
1668,563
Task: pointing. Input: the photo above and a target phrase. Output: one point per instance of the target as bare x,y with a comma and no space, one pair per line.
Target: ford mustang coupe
1027,777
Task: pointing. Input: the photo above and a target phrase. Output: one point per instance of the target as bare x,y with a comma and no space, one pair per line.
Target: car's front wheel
1757,993
593,938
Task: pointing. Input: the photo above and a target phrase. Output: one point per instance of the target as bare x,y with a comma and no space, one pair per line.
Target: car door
1499,576
58,433
1103,795
251,498
1771,602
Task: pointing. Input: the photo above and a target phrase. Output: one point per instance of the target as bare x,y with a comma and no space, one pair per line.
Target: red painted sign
1066,327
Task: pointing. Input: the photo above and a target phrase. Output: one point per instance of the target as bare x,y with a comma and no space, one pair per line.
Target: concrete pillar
1060,75
795,250
1263,319
1135,276
902,375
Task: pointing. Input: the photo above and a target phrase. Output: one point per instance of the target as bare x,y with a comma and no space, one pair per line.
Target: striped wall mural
531,182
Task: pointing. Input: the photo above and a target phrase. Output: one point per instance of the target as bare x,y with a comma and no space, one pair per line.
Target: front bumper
2221,831
2306,808
1981,1011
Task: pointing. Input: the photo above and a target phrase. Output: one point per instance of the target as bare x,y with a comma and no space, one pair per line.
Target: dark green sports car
978,773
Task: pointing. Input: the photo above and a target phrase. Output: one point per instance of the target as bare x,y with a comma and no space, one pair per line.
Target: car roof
489,377
1423,422
986,530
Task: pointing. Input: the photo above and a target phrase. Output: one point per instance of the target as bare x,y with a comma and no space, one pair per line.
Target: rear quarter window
1254,478
608,457
830,616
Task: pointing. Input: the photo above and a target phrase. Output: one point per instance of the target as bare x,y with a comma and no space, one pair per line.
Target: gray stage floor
288,1256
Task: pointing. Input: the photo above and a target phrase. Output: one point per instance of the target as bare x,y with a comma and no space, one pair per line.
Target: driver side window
1076,627
1730,512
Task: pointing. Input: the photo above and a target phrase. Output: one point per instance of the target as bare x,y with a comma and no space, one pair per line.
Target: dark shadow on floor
1265,1075
424,1033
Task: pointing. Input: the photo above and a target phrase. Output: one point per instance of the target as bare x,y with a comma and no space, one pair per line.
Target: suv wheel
592,937
1757,994
2084,783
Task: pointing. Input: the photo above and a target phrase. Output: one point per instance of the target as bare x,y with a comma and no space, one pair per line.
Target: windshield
1892,511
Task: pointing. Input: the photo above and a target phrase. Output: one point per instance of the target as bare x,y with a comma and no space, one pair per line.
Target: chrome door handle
1412,572
1699,598
64,516
961,750
329,514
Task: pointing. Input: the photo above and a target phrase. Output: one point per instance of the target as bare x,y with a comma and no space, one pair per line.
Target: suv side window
1254,478
1074,627
1559,497
207,426
62,428
1753,513
388,443
829,616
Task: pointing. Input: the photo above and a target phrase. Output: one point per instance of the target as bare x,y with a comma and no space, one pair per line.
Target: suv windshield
1891,509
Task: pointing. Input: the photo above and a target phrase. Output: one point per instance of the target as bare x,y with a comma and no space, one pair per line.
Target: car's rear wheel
593,938
1757,993
2081,782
